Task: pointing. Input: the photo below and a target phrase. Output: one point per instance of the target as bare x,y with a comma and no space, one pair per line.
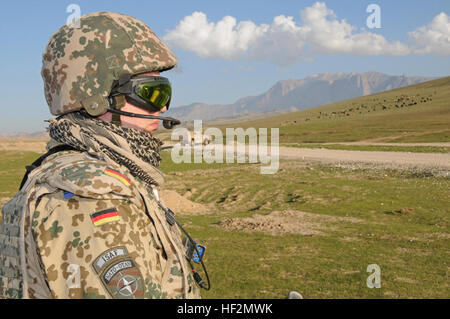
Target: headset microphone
168,122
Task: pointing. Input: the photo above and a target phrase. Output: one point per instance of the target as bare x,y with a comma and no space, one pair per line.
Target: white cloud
223,39
327,35
434,37
286,42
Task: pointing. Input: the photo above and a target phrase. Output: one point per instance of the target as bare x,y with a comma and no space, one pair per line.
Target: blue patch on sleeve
68,195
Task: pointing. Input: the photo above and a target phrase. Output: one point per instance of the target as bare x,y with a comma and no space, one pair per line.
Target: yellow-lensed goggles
157,92
149,92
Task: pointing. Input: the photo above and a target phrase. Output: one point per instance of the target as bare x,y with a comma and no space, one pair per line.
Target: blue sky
214,77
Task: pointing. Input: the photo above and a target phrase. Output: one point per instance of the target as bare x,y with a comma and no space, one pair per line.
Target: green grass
375,148
410,247
12,169
443,136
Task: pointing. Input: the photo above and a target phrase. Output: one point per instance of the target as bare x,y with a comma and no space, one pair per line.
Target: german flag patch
105,216
117,175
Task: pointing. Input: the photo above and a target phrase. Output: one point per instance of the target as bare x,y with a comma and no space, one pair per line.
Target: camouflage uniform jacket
83,228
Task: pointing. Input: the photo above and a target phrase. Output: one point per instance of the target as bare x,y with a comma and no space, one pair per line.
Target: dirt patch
289,221
348,239
351,272
182,205
407,280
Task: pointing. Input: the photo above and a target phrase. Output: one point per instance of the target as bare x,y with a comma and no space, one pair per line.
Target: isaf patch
119,275
108,256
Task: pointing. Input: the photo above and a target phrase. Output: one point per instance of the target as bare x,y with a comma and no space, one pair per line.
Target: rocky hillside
294,95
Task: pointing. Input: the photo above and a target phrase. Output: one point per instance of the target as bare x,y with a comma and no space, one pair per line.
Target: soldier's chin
152,127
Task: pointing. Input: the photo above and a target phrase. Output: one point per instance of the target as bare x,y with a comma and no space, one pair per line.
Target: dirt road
403,160
387,159
437,161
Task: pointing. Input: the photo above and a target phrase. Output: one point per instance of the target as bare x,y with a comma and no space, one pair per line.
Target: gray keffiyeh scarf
137,150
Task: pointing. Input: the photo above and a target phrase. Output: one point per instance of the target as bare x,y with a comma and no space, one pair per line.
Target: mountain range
294,95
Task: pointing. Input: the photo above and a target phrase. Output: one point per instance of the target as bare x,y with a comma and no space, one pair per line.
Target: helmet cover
80,64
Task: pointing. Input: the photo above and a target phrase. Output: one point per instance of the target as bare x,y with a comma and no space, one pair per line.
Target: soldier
87,221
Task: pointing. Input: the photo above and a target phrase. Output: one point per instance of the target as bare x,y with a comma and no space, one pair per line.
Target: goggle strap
123,85
124,79
119,102
125,88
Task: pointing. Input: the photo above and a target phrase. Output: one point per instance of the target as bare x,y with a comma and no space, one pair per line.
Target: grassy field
418,113
12,170
400,223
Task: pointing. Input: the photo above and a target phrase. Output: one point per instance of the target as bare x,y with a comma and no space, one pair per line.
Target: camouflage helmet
79,65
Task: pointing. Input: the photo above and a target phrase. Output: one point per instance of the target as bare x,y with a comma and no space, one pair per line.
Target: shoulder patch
87,177
105,216
110,172
119,275
82,174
